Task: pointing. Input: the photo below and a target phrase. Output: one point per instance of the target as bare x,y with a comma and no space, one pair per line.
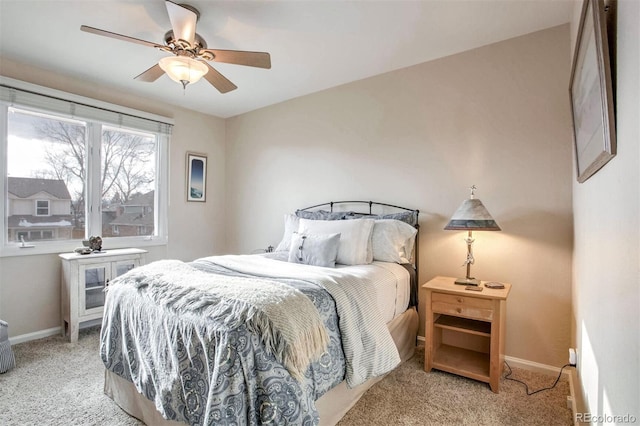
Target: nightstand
464,330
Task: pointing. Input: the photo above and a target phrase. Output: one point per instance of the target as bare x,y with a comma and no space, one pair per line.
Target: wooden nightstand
464,330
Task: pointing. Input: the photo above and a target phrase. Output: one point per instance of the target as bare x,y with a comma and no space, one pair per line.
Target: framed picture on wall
196,177
591,93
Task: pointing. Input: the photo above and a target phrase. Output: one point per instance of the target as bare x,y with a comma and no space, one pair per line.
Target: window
72,170
42,207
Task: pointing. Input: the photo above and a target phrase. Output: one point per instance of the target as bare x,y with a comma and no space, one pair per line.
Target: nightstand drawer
469,307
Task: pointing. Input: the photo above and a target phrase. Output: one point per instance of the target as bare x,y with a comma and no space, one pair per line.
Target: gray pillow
410,217
314,249
322,215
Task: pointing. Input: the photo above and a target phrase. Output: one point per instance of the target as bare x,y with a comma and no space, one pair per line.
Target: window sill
68,246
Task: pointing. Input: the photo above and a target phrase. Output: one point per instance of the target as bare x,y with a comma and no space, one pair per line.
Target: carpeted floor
59,383
409,396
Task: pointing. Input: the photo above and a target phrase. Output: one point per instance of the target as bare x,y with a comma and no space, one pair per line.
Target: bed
295,336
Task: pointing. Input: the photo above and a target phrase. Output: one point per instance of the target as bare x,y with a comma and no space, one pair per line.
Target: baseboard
579,404
35,335
537,367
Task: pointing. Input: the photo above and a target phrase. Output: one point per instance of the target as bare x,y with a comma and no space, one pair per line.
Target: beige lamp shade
472,216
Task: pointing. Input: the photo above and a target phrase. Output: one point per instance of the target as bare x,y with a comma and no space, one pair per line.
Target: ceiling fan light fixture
182,69
190,62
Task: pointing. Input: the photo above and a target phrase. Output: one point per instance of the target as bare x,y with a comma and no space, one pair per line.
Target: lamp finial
473,191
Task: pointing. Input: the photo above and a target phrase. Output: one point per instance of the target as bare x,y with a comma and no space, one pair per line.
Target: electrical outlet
570,402
573,357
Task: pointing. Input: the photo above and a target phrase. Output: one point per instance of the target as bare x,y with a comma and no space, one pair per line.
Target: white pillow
392,240
290,226
355,237
313,249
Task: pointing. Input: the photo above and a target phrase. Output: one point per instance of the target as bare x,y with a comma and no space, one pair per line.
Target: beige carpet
409,396
59,383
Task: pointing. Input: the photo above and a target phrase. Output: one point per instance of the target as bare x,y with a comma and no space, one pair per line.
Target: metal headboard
370,203
331,204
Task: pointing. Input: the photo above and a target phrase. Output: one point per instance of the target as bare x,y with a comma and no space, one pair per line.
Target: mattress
389,281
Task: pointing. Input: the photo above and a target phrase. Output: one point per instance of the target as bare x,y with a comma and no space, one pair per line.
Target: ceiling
314,45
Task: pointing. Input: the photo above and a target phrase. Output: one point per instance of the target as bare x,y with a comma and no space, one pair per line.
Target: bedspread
229,376
286,320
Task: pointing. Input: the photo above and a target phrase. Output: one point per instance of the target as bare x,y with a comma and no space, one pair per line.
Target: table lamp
471,216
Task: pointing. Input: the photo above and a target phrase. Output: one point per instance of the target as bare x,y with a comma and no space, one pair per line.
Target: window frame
36,208
93,225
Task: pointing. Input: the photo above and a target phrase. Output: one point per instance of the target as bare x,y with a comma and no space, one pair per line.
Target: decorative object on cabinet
84,279
471,216
196,177
95,243
464,330
591,93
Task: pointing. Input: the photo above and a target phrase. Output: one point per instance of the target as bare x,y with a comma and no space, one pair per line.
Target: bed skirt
332,406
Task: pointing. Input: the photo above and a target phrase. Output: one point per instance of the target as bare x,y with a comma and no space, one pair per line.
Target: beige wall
30,285
497,117
606,283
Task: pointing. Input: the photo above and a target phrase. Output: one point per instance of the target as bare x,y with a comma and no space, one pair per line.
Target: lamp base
467,281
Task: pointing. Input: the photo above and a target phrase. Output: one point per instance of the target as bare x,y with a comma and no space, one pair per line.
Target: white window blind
109,158
15,96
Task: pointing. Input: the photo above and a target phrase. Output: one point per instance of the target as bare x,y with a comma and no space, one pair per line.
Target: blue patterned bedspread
226,378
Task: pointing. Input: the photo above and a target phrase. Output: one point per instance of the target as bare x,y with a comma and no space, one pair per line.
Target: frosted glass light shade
182,69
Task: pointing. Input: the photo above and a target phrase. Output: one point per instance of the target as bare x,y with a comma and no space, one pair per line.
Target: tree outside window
54,158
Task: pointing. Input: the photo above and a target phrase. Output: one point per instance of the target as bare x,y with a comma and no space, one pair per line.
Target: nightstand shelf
464,330
463,325
468,363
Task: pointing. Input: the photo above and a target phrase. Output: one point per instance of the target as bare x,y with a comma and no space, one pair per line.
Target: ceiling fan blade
150,75
218,80
241,57
183,22
117,36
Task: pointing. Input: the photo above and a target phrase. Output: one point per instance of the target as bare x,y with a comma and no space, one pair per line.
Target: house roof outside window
26,187
134,217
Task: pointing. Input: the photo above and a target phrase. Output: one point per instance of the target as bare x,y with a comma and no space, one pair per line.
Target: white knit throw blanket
285,319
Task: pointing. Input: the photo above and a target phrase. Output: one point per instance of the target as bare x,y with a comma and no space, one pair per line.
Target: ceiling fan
191,55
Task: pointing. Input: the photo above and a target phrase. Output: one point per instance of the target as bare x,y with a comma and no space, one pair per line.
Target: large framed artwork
196,177
591,93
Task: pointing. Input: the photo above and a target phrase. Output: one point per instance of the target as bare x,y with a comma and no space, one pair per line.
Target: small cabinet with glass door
84,279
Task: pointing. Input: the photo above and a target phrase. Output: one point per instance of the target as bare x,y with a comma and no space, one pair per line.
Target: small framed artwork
196,177
591,93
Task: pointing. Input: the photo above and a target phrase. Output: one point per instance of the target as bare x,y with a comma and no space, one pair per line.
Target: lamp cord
507,377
